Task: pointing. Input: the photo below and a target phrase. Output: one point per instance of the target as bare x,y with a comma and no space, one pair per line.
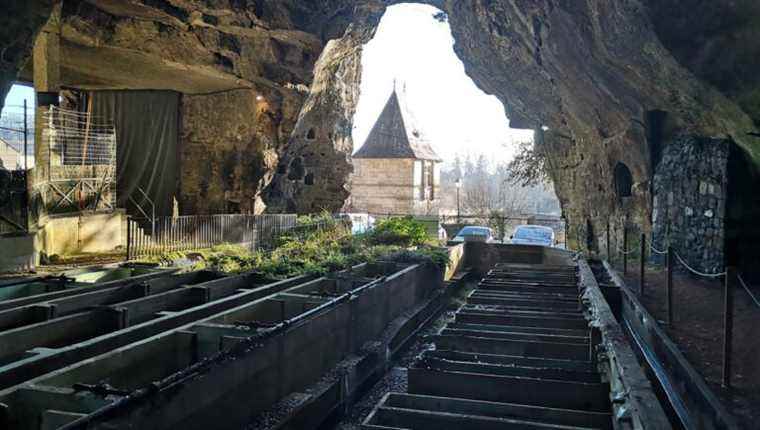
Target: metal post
129,238
642,263
26,168
728,325
669,287
609,256
459,219
625,250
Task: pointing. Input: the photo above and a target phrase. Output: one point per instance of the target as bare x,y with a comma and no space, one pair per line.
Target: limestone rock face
230,143
20,21
718,41
314,170
591,72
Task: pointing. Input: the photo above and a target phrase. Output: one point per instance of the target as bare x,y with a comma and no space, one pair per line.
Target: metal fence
147,237
641,260
16,157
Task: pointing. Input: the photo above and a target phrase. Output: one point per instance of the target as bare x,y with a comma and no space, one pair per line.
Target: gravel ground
393,381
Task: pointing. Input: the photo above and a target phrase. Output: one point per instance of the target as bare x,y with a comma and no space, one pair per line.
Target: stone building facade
689,205
396,171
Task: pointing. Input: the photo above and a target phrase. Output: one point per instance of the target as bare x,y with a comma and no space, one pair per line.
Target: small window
430,174
623,180
311,134
422,180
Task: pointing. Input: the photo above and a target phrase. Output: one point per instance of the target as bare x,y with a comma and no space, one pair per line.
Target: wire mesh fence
76,168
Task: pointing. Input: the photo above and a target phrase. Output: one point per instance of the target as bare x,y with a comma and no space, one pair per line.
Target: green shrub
404,231
427,254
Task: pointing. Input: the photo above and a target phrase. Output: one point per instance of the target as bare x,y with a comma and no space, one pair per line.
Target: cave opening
742,231
623,180
12,119
412,57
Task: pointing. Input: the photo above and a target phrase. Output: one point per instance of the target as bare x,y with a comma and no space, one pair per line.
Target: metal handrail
151,217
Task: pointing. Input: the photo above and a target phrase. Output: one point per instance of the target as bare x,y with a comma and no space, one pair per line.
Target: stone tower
396,171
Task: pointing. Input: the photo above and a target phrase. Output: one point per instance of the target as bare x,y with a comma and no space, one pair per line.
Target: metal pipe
625,249
669,287
609,255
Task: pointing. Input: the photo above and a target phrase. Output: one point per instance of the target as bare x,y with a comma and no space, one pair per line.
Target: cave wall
590,71
718,41
20,22
229,148
223,56
313,172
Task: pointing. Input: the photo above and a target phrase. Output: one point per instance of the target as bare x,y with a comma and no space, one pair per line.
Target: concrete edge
634,398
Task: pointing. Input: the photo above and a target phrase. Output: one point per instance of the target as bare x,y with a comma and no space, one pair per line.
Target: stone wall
389,186
690,186
382,186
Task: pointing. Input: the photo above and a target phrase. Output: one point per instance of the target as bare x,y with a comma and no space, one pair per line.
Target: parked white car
533,235
474,233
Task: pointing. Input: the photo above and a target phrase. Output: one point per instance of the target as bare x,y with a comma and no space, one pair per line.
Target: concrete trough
571,305
521,320
509,389
512,333
536,372
25,341
520,329
65,287
486,345
513,360
479,408
43,311
524,352
260,351
51,351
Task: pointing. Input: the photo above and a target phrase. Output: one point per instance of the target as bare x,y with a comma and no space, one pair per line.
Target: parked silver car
533,235
474,233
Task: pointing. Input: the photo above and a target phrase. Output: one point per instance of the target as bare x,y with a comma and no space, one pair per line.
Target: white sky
451,111
17,94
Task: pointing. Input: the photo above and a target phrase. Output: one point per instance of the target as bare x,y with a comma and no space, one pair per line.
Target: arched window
623,180
311,134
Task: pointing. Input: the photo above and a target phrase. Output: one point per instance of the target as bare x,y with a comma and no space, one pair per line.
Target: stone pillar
47,82
690,187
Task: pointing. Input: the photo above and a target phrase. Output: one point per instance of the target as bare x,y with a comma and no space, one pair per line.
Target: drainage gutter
692,400
635,404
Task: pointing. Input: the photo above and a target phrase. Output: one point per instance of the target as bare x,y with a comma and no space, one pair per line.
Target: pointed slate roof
395,135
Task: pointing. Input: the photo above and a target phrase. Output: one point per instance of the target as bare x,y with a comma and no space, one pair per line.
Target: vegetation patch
320,245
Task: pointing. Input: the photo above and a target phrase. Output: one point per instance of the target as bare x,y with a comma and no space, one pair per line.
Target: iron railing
183,233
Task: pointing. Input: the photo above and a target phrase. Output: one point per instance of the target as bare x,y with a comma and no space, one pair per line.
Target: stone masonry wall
690,199
382,185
